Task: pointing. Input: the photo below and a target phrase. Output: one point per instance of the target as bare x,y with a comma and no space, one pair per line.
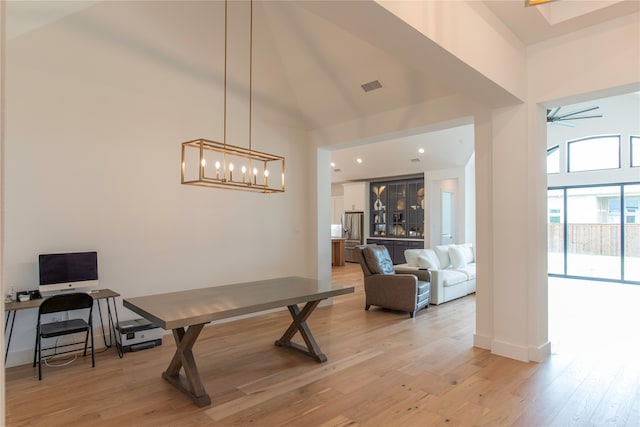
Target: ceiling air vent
368,87
416,160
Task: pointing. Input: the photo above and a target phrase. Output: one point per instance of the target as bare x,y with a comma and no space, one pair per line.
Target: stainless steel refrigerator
352,228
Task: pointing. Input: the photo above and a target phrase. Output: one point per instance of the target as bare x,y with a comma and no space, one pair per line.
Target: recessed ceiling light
359,160
421,150
333,165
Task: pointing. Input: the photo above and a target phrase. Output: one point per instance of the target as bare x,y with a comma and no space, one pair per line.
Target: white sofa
451,269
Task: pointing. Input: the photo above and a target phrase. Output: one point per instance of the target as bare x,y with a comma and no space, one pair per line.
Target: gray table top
191,307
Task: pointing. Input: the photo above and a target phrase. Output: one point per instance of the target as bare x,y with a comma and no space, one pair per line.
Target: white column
511,299
322,212
484,237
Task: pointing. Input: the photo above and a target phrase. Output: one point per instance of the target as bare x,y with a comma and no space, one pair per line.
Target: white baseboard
540,353
482,341
517,352
510,350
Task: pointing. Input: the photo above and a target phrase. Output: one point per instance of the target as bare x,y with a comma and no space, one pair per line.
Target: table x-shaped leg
183,358
299,324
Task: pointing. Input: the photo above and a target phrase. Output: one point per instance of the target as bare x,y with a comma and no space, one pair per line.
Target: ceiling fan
554,116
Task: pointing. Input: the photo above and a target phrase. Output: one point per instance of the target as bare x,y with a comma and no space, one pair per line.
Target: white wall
97,106
506,63
2,133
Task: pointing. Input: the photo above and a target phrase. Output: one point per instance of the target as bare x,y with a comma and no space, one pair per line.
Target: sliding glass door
631,215
594,232
555,231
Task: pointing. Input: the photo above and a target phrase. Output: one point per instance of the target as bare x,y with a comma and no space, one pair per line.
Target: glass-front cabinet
397,208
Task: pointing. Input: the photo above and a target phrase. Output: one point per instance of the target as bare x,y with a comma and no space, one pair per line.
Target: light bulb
204,162
217,165
244,169
230,171
217,170
266,173
255,176
231,167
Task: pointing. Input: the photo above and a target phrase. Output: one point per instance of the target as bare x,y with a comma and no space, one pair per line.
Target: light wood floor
384,369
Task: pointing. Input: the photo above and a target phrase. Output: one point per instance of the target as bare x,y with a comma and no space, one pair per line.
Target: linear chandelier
216,164
528,3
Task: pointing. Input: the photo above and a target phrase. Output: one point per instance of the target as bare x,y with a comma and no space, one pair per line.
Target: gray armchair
384,288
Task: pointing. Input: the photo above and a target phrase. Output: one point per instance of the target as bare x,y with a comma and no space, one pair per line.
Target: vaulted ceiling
312,58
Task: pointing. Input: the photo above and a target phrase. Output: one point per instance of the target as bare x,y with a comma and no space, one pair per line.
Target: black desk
186,313
100,294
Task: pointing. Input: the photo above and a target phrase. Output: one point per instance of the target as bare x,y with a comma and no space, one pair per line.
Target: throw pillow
458,259
443,256
411,255
467,249
428,259
378,259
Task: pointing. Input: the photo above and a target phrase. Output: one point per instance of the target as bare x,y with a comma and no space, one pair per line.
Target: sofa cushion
411,255
452,277
378,259
428,259
457,256
469,270
443,256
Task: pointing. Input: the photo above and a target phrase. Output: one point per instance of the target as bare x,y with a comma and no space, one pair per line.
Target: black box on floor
138,334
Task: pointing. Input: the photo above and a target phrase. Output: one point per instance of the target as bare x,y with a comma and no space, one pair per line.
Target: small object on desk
11,296
28,295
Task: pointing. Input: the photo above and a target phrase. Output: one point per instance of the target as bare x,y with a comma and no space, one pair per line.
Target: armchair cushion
378,260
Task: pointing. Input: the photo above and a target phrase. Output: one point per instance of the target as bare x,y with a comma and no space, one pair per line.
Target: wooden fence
595,239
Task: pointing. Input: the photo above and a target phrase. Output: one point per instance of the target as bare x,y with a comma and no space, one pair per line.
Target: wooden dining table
186,313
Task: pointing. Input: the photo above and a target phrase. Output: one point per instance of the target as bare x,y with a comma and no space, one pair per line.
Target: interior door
447,216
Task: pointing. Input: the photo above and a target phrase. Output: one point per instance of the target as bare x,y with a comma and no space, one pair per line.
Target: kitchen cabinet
337,208
396,247
337,252
397,208
354,196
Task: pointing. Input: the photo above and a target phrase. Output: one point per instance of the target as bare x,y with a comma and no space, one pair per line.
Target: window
553,159
594,153
635,151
